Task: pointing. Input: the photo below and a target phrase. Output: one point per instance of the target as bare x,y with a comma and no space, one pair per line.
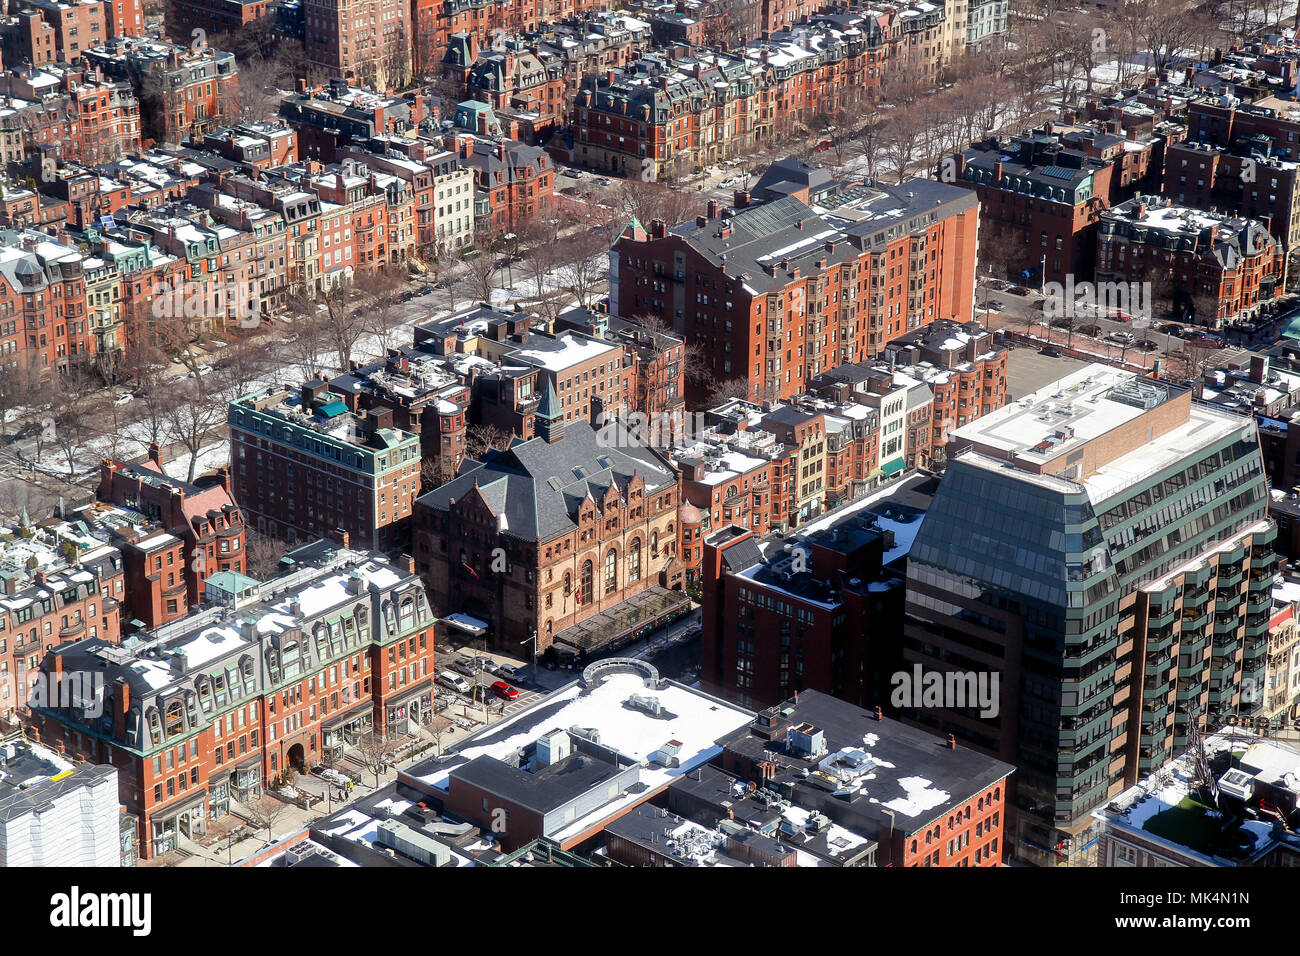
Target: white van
454,681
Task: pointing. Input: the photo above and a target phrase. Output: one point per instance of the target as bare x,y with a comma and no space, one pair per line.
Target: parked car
504,690
487,664
1092,331
123,399
1064,322
996,305
1049,352
465,666
511,673
572,174
454,681
1121,337
1171,328
1149,345
1020,290
605,181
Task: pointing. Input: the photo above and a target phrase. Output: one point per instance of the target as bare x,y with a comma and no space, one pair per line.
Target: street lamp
532,637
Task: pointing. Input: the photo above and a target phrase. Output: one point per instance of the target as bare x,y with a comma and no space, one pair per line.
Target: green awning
894,466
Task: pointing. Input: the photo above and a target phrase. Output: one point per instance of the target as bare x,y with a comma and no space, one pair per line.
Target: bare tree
344,318
262,554
481,271
265,811
375,752
73,390
583,265
434,474
1193,360
20,384
727,390
190,415
257,97
241,364
481,439
384,315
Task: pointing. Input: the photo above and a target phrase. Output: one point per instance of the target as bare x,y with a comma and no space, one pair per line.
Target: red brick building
817,613
185,92
200,532
543,535
304,466
1207,268
268,678
778,293
58,585
958,817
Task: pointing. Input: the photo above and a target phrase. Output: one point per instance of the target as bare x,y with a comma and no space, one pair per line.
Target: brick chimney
155,454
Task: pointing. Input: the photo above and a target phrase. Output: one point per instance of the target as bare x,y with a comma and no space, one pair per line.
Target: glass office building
1103,545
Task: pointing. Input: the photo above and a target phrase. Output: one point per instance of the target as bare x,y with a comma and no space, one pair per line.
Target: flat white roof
697,722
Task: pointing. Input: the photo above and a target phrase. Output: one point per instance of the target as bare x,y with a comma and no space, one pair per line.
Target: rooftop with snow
620,730
865,771
1242,807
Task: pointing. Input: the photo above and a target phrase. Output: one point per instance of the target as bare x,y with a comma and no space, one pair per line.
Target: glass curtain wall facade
1028,575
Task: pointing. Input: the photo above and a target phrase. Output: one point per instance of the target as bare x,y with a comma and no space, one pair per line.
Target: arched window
568,583
654,543
585,583
611,571
634,560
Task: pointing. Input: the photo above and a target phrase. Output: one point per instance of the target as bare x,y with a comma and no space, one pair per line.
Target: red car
504,690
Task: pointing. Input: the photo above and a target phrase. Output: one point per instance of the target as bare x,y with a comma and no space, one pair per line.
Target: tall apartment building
1039,205
305,467
1248,180
57,584
1207,268
778,293
368,42
214,17
197,714
1103,546
1253,142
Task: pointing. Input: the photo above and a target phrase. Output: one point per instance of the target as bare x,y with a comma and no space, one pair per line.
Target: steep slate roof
535,487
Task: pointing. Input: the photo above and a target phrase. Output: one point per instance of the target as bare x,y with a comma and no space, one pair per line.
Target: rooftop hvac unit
1237,783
